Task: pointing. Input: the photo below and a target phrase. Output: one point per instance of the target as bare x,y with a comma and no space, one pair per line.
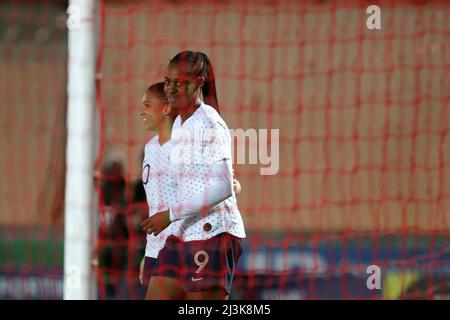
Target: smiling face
153,111
181,88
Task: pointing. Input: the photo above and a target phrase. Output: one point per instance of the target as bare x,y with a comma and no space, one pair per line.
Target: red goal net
345,165
363,120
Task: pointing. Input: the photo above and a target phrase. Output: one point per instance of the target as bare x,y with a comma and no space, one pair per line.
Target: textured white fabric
202,169
159,189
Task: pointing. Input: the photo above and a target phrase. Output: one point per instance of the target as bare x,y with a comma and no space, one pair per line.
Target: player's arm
219,185
219,188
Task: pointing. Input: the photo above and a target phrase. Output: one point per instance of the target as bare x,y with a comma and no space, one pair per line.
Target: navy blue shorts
200,265
149,265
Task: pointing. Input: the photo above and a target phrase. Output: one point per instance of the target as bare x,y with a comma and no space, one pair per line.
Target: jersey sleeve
217,188
216,142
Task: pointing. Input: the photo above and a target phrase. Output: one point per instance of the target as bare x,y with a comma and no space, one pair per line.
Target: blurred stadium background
364,176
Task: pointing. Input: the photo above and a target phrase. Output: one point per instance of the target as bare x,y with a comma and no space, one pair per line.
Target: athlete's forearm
220,187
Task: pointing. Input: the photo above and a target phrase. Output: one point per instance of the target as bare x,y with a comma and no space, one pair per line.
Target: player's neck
186,113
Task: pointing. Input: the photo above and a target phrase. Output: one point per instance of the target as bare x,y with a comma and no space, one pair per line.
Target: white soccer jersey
159,189
192,166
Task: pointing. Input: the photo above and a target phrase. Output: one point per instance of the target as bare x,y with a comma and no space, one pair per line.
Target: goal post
79,279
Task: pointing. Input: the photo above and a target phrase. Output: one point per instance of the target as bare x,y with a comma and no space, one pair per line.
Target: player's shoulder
177,122
208,112
211,118
151,143
153,140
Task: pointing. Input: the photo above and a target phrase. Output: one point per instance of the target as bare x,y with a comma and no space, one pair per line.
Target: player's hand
156,223
141,271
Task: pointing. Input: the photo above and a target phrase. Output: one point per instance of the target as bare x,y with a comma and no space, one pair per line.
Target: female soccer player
157,116
200,263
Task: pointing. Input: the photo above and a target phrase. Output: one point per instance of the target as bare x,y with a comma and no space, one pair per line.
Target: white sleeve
219,188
